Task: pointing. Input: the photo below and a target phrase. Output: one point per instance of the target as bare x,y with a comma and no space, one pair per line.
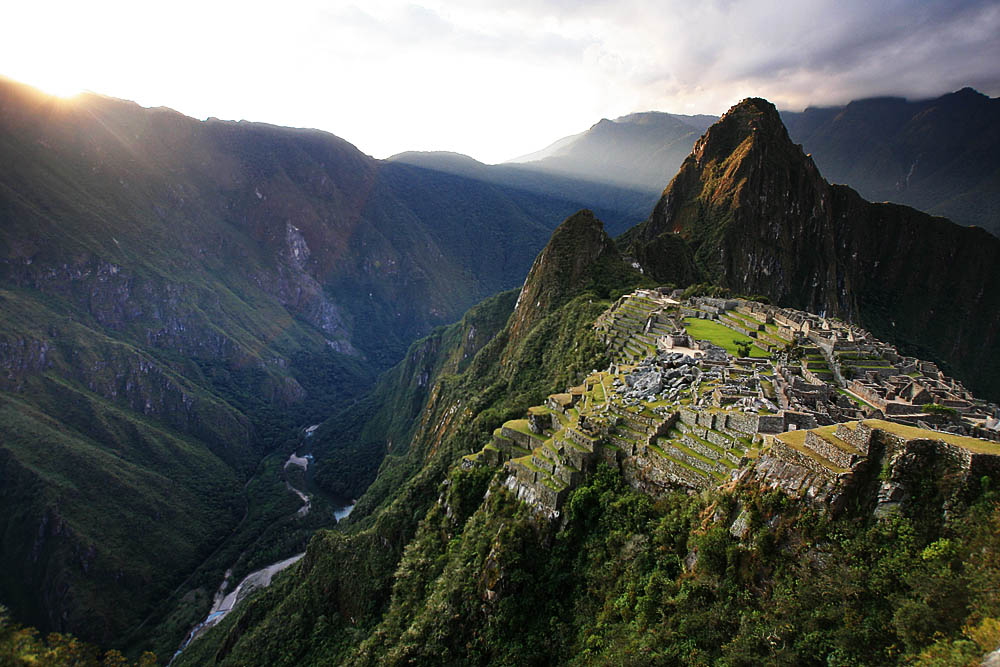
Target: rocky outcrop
577,253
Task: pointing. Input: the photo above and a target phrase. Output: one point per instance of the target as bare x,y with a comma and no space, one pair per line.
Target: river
224,602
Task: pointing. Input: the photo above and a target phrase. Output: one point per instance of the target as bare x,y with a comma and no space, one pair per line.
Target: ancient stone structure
672,411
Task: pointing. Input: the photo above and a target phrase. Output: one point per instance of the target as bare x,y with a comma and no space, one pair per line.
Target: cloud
497,78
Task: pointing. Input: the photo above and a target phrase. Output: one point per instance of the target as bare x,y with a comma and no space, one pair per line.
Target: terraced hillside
674,408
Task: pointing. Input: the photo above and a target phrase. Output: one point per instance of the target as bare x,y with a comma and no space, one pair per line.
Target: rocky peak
745,182
579,254
752,122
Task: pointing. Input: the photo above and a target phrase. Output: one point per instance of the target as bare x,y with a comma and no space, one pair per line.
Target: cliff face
759,218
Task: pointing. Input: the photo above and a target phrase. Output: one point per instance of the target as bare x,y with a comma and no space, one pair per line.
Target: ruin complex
707,390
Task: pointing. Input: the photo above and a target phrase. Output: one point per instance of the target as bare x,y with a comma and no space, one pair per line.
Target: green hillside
446,564
177,300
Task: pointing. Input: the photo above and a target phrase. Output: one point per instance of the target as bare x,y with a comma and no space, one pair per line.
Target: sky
494,79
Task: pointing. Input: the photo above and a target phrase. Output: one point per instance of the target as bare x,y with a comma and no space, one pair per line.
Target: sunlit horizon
492,80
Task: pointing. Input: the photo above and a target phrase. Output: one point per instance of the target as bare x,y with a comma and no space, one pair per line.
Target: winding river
224,602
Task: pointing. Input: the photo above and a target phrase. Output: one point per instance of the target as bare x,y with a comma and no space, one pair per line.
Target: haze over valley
627,348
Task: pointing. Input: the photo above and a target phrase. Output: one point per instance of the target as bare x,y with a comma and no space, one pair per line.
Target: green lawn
721,335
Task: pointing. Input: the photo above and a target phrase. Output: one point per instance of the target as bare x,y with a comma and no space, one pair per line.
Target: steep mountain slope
347,579
939,155
758,218
175,297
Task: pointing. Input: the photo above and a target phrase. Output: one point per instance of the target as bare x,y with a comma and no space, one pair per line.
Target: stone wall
791,455
521,439
860,436
829,451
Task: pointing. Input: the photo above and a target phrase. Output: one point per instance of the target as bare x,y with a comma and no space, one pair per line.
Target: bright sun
53,84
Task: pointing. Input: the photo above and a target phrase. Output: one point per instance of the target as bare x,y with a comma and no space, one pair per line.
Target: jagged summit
753,118
580,253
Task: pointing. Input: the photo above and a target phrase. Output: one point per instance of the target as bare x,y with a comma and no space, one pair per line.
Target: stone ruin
690,415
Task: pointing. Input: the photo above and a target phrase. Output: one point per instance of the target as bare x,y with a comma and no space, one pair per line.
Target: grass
753,323
797,441
526,462
720,335
772,330
521,426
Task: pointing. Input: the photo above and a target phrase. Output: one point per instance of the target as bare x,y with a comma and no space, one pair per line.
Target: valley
748,379
228,596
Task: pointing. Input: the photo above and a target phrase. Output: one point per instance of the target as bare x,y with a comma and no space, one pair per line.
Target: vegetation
664,581
347,579
721,335
21,645
177,299
941,410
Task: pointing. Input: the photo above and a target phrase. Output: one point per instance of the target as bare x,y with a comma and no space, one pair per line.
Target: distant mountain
176,297
749,211
621,205
641,150
940,155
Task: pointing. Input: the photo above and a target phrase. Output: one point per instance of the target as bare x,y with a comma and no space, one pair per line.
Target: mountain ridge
936,154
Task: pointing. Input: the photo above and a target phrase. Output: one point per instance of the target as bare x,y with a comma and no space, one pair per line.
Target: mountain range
177,297
180,297
443,562
938,155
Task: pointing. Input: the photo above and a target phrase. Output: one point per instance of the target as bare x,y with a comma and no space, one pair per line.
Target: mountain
938,155
178,297
620,205
756,216
640,150
450,561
